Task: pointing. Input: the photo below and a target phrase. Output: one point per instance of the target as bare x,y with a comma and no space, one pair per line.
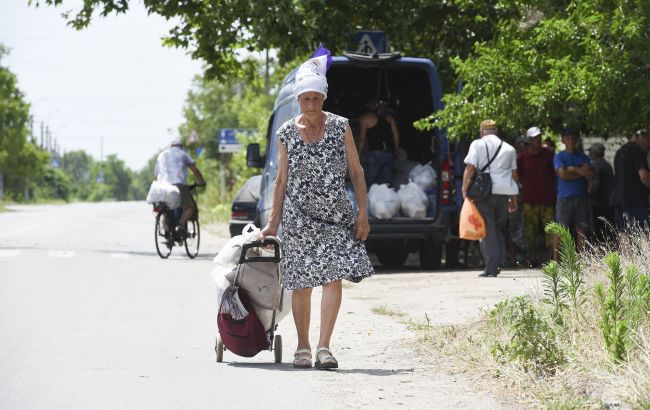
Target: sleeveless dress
318,231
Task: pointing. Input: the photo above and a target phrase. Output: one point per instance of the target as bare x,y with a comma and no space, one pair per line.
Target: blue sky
113,81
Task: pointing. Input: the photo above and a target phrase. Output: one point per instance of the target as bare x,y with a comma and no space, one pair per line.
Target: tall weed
612,310
570,272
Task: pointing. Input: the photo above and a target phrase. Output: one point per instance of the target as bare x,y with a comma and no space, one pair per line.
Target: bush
533,342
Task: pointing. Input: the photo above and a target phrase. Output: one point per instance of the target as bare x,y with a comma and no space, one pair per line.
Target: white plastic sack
424,176
163,191
228,256
413,201
383,201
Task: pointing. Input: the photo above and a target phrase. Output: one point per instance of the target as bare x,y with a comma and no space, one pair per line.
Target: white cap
175,141
311,77
533,132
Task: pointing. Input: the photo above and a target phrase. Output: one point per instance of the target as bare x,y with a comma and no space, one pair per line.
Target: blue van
411,87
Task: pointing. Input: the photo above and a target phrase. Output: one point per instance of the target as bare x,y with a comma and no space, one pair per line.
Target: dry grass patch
583,342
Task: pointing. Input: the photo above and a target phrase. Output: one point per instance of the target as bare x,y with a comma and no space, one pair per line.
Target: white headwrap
311,76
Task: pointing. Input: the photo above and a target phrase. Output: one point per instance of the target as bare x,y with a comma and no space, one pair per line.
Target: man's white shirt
172,164
501,168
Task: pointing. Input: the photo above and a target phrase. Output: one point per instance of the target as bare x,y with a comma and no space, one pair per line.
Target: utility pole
42,133
266,73
101,149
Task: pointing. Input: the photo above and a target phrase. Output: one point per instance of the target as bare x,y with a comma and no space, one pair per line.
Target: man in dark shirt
537,176
632,181
600,189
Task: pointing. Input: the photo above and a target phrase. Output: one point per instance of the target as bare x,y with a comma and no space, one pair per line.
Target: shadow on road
288,367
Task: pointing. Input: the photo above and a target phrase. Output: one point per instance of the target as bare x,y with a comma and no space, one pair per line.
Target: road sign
227,138
371,41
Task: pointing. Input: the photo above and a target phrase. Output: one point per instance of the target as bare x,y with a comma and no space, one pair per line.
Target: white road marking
60,254
120,255
8,253
19,231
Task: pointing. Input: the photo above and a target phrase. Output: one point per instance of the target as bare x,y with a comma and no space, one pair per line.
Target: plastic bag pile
410,201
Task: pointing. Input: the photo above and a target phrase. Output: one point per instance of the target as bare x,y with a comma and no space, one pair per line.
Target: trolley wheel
277,348
218,348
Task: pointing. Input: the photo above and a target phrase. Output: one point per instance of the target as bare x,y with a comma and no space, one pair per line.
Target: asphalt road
92,318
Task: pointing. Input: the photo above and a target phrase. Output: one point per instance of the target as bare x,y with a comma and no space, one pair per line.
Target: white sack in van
424,176
413,201
163,191
383,201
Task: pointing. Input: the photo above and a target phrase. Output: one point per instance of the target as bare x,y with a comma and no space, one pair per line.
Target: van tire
430,254
392,257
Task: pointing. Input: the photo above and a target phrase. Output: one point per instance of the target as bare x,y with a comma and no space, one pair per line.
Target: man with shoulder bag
490,180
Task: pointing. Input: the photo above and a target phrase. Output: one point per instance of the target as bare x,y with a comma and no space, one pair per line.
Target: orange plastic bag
471,225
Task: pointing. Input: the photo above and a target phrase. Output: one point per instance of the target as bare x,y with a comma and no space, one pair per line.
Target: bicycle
165,234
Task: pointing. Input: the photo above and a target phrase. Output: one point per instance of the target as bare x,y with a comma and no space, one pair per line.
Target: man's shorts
186,196
575,212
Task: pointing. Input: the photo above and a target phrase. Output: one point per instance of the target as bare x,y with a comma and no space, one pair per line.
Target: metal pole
222,172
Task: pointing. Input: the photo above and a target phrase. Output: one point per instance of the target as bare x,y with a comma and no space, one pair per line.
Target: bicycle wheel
163,245
193,238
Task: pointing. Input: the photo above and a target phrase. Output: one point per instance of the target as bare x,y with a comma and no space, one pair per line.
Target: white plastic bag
163,191
424,176
413,200
228,256
383,201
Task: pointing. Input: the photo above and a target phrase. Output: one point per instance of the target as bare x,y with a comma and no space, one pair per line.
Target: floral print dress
318,230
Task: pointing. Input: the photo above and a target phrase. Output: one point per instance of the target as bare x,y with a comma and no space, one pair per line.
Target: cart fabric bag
471,226
244,337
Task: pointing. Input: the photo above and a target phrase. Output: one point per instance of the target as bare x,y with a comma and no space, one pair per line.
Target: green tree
581,63
117,177
20,160
78,165
219,31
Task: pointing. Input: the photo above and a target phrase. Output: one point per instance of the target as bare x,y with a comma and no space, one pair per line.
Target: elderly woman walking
323,240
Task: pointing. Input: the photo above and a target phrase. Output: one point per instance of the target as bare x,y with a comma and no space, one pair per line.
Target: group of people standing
582,192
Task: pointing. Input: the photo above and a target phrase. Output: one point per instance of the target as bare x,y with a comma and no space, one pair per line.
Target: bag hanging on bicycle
481,185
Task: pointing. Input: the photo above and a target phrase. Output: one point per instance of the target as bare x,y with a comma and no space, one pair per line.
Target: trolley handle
270,240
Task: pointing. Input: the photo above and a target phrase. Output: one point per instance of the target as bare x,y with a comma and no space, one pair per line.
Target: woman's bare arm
279,190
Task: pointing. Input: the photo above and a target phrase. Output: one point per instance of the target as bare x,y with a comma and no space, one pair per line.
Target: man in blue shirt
573,208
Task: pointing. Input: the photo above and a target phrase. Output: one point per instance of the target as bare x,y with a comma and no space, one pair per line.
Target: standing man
503,199
573,204
537,176
171,166
601,186
631,181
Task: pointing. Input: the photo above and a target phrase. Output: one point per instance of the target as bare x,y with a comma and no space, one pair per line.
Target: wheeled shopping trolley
259,275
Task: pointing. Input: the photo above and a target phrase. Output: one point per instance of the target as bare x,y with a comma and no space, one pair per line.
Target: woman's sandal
325,360
302,359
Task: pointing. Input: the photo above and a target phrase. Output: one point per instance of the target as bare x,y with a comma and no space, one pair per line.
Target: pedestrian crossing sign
370,42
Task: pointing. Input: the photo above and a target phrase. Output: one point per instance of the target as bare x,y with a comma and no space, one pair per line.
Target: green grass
384,311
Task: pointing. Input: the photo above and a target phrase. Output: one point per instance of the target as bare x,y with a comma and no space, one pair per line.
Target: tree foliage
19,158
220,32
579,63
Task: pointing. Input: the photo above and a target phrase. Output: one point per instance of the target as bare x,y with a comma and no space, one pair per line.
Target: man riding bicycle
171,166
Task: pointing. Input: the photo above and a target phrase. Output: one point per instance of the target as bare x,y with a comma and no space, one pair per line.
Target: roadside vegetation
582,342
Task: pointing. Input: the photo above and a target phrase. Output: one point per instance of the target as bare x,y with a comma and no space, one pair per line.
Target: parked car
411,87
244,205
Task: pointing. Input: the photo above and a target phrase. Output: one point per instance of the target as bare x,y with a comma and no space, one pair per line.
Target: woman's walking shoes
302,359
325,360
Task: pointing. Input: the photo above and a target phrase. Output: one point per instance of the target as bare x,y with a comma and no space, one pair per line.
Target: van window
284,113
